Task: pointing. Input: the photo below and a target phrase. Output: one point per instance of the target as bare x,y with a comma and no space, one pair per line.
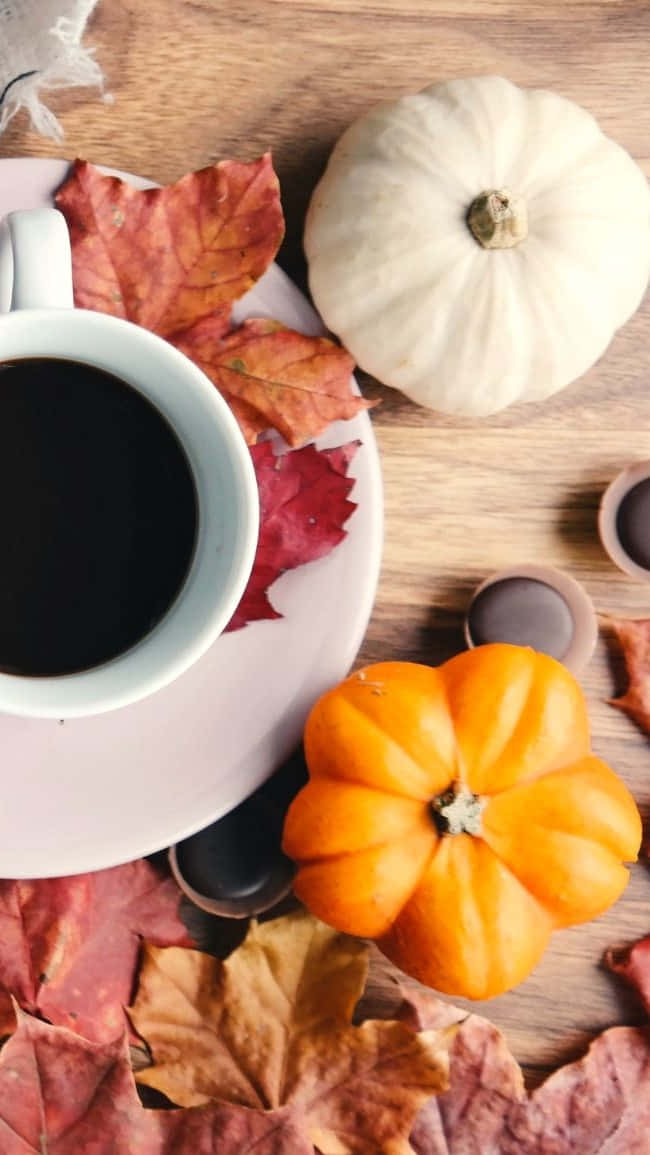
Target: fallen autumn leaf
599,1105
633,636
69,946
63,1095
304,506
167,257
273,377
632,963
271,1028
175,259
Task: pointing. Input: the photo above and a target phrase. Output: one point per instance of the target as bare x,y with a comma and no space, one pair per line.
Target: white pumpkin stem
460,810
497,219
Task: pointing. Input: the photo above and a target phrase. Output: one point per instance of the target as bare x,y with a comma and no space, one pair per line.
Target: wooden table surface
192,81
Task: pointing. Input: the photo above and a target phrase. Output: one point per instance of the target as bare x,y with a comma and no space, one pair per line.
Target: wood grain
197,80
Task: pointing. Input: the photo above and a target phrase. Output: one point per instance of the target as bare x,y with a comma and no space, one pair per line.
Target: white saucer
89,793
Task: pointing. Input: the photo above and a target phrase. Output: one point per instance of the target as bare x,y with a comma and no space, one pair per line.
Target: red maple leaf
599,1105
304,505
69,947
63,1095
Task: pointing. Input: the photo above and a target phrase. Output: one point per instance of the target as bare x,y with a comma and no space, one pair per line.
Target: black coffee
98,516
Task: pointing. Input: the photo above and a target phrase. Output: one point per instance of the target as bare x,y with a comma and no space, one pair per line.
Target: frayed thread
70,65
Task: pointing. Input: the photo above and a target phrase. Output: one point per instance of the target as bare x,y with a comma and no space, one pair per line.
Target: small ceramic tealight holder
235,867
624,520
536,606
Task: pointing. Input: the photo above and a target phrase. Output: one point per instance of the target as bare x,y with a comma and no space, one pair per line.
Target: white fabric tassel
41,50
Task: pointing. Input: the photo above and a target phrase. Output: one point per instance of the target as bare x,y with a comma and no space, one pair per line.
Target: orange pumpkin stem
458,811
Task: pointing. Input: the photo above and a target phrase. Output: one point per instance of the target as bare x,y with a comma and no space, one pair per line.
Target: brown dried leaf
270,1027
221,1129
632,963
485,1081
599,1105
633,636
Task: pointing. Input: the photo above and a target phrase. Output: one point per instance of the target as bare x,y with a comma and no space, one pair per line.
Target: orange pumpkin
458,816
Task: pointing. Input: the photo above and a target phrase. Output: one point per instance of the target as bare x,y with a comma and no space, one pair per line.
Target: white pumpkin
477,244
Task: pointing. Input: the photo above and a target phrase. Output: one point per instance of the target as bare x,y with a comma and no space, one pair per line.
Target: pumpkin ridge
339,855
479,838
513,874
560,251
388,738
396,942
462,290
522,721
465,775
341,822
416,159
544,311
340,916
523,724
397,254
530,890
379,789
602,789
546,904
555,180
372,313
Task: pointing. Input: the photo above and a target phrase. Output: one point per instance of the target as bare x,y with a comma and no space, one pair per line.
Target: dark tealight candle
534,606
233,858
624,520
633,523
234,867
525,612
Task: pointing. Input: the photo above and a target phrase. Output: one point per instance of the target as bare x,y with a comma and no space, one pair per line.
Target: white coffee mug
43,323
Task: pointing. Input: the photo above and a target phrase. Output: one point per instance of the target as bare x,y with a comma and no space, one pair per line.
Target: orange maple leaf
166,257
272,376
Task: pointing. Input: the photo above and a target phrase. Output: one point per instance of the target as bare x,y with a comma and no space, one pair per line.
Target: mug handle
42,261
